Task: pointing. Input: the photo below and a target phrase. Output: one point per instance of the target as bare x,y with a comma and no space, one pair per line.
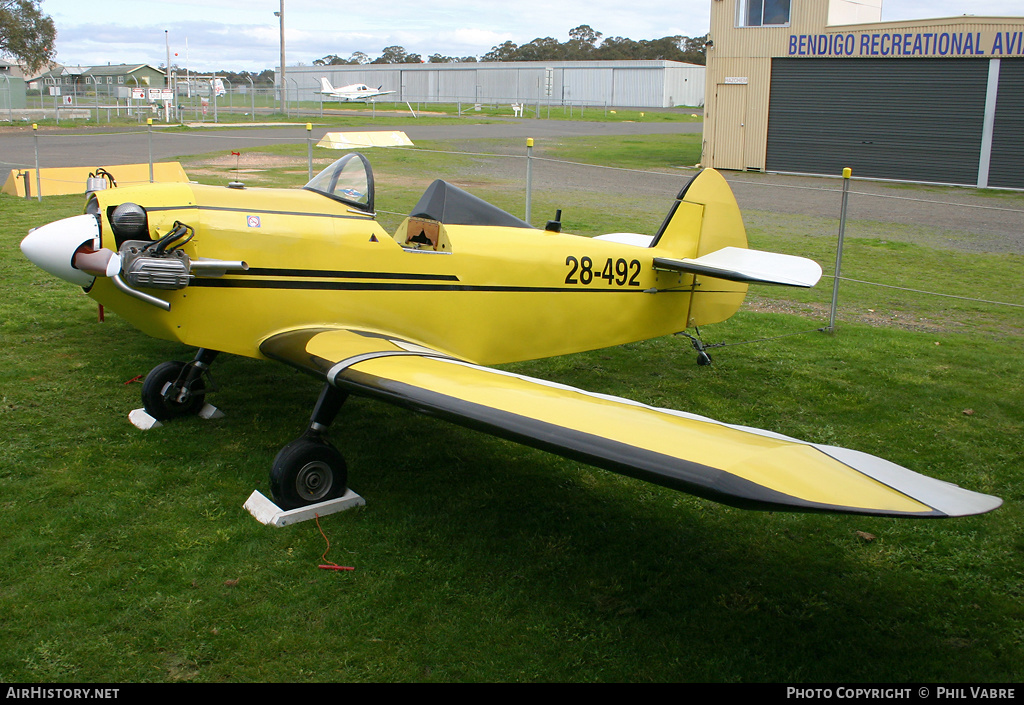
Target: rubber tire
308,471
162,409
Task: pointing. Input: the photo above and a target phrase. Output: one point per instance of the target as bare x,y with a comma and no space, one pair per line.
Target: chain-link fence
776,208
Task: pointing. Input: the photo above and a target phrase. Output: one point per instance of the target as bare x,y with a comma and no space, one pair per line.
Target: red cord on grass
329,565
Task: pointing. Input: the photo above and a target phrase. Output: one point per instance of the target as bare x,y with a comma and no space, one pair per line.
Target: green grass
630,152
128,557
383,113
385,110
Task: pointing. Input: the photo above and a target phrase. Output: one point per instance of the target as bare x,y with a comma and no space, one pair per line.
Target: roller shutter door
906,119
1007,165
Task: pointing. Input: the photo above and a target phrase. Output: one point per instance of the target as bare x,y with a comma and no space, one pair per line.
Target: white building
642,84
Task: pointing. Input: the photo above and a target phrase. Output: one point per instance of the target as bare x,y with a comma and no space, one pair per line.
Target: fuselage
487,294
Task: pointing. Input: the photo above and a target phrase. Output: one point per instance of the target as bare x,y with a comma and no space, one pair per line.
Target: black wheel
703,358
307,471
163,399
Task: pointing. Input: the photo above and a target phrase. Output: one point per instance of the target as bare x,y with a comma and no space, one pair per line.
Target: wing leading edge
735,465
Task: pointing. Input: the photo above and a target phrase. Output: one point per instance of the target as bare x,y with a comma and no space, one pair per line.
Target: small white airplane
355,93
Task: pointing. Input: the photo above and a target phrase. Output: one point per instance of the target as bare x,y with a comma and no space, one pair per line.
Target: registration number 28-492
618,272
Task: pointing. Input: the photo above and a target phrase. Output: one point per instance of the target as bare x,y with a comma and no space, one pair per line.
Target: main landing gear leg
174,388
310,470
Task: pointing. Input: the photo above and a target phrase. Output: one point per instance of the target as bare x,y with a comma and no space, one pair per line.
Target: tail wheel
166,395
308,471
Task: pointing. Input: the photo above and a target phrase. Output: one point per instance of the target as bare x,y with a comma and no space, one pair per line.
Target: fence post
149,127
252,92
35,140
847,173
529,175
309,148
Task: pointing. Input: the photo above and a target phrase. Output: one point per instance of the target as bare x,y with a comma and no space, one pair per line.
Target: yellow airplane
309,278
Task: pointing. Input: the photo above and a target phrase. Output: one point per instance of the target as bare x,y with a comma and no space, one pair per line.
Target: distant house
9,69
105,80
130,75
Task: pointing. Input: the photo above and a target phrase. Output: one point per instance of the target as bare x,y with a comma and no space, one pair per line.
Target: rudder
705,218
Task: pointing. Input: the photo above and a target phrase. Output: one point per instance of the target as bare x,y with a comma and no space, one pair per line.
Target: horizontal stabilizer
738,264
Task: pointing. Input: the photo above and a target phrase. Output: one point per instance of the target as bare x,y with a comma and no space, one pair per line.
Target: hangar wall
644,84
795,89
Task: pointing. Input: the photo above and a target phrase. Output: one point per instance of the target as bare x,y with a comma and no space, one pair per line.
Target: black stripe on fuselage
298,284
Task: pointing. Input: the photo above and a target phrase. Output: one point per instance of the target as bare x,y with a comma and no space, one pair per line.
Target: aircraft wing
735,465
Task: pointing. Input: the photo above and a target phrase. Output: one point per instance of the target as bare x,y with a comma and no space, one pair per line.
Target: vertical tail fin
703,244
705,218
325,85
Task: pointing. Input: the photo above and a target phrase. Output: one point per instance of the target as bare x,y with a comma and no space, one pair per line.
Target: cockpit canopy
451,205
349,180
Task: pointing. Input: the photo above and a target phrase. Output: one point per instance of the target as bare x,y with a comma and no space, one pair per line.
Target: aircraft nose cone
52,247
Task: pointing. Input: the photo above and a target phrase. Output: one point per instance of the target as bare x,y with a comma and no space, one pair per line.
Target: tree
502,52
617,49
335,60
584,34
695,49
540,49
397,55
391,55
582,42
26,33
442,59
329,60
584,45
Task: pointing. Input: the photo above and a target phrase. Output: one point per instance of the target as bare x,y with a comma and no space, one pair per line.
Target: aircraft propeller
70,249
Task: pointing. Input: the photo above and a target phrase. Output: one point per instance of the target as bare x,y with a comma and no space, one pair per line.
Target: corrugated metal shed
613,83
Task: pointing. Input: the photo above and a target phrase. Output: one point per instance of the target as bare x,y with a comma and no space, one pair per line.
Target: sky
244,35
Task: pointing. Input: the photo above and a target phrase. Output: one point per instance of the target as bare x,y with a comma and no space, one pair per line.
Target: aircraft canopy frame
349,180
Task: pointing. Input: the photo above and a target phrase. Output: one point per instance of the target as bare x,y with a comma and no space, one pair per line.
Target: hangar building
642,84
813,86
